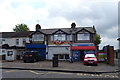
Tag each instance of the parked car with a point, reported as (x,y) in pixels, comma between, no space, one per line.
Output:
(31,56)
(90,59)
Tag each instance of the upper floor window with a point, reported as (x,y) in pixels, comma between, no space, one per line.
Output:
(0,41)
(24,41)
(84,36)
(38,37)
(52,38)
(3,41)
(61,37)
(69,37)
(17,41)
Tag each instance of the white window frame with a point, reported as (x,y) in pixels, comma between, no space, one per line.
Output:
(51,38)
(69,37)
(61,37)
(24,41)
(38,37)
(83,36)
(17,41)
(3,41)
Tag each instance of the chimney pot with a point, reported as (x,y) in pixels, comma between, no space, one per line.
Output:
(73,25)
(38,27)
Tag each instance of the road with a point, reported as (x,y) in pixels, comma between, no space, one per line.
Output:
(48,74)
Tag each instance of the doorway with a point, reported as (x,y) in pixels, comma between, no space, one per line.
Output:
(81,55)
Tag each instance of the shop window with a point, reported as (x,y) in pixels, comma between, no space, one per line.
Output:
(9,53)
(84,36)
(66,56)
(89,52)
(62,56)
(56,55)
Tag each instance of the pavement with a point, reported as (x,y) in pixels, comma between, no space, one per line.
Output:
(64,66)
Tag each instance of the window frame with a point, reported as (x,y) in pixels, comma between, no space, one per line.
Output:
(37,37)
(69,37)
(17,41)
(64,56)
(24,41)
(61,37)
(81,37)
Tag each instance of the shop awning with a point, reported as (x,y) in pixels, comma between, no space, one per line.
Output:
(83,48)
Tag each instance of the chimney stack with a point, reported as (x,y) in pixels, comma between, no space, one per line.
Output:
(73,25)
(38,27)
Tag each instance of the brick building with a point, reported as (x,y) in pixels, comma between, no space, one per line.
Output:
(62,42)
(65,42)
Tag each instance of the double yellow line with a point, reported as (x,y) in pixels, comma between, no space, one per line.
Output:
(109,76)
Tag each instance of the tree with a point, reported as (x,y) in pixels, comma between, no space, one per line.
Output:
(98,39)
(21,27)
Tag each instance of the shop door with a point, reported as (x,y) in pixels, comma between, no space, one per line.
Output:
(76,55)
(81,55)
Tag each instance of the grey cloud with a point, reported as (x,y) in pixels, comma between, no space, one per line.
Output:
(104,15)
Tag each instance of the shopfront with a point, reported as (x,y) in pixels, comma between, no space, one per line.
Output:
(62,51)
(78,52)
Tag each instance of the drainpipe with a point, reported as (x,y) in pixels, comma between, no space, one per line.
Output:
(73,28)
(71,45)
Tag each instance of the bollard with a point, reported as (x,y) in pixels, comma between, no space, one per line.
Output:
(55,61)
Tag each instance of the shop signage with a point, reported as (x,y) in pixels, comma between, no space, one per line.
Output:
(101,56)
(83,44)
(59,43)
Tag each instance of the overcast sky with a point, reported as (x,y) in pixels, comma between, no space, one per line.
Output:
(103,14)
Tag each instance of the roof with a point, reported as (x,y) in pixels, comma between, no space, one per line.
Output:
(118,39)
(67,30)
(45,31)
(15,34)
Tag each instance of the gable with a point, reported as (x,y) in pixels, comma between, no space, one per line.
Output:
(83,30)
(37,32)
(59,31)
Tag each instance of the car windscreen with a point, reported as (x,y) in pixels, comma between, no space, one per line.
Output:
(89,55)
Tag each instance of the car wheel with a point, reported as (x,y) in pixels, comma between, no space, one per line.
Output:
(96,64)
(33,60)
(24,61)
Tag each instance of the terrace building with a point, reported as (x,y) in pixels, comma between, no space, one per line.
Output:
(65,42)
(62,42)
(13,42)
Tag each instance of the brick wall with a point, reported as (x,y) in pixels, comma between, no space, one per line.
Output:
(110,54)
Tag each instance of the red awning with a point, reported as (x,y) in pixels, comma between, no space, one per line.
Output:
(83,48)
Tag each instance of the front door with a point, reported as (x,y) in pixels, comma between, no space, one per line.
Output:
(10,56)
